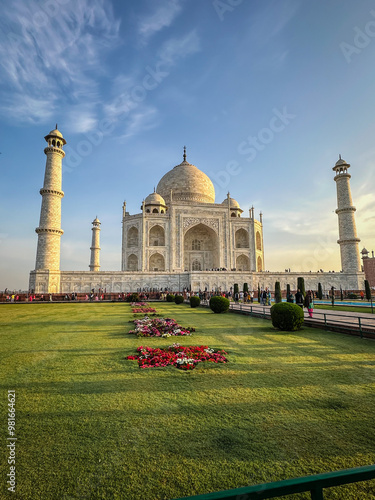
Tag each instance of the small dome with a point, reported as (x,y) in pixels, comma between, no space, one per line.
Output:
(56,132)
(96,220)
(232,201)
(154,199)
(364,251)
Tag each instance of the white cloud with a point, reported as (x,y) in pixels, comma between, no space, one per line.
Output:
(47,51)
(161,18)
(178,48)
(144,118)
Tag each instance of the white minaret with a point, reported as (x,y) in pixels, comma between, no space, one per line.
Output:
(348,239)
(49,230)
(95,245)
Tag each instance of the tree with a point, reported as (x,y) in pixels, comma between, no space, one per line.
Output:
(301,285)
(341,294)
(288,292)
(367,290)
(278,297)
(333,295)
(245,288)
(258,293)
(320,291)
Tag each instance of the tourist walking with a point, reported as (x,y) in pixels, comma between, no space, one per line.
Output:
(308,303)
(299,298)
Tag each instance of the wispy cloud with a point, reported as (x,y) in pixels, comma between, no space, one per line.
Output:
(161,18)
(179,48)
(131,91)
(46,54)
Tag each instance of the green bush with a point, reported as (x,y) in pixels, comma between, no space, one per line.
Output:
(367,290)
(170,297)
(301,285)
(245,287)
(194,301)
(133,297)
(179,299)
(320,291)
(259,293)
(286,316)
(352,296)
(278,297)
(219,304)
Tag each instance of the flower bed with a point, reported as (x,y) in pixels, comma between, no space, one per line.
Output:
(159,327)
(184,358)
(143,310)
(142,307)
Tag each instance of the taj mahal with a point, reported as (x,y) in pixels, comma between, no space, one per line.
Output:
(182,239)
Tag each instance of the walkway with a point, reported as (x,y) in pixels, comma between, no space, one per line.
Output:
(354,323)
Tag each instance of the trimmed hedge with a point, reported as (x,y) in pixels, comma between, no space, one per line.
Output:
(194,301)
(170,297)
(219,304)
(179,299)
(133,297)
(286,316)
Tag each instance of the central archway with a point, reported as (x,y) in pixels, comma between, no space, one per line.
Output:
(201,249)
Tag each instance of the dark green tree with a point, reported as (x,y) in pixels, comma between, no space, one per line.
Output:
(301,285)
(367,290)
(258,293)
(333,295)
(245,287)
(278,297)
(341,294)
(320,291)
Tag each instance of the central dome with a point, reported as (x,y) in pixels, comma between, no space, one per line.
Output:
(187,183)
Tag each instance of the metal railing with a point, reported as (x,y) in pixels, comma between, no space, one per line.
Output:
(352,323)
(313,484)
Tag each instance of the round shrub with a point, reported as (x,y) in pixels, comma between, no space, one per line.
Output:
(179,299)
(219,304)
(352,296)
(286,316)
(170,297)
(133,297)
(194,301)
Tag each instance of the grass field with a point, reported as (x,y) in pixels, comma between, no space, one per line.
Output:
(339,307)
(92,425)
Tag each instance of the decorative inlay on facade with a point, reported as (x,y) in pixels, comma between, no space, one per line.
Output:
(193,221)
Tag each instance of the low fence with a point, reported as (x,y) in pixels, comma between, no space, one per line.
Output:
(362,325)
(313,484)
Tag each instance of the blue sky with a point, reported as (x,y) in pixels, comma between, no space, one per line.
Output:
(130,83)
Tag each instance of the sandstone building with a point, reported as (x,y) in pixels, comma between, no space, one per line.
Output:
(181,238)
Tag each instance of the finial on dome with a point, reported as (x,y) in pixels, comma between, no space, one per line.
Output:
(154,190)
(339,157)
(184,153)
(56,126)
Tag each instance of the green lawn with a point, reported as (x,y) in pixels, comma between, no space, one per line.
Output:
(92,425)
(339,307)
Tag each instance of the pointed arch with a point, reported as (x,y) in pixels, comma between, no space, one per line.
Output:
(243,263)
(258,241)
(132,239)
(157,236)
(156,262)
(132,262)
(259,264)
(242,238)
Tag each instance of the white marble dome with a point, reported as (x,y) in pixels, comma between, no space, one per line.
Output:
(188,184)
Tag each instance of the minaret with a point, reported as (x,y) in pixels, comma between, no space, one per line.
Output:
(49,230)
(95,245)
(348,239)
